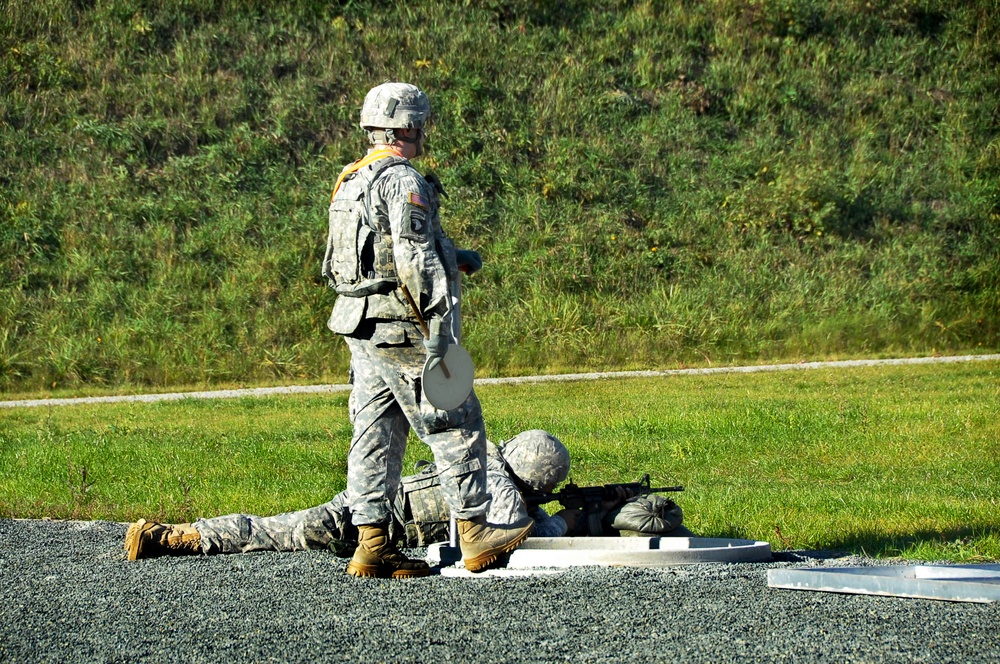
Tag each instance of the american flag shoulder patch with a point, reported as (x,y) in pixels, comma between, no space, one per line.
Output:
(419,201)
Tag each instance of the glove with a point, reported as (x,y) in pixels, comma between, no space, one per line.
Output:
(435,182)
(469,259)
(437,347)
(650,515)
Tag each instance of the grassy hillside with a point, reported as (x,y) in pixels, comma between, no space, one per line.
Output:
(650,183)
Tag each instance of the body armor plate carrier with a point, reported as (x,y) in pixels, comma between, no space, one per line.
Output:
(358,259)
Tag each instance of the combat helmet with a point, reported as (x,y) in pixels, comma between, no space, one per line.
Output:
(537,458)
(395,106)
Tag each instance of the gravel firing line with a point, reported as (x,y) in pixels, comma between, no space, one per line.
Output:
(515,380)
(67,594)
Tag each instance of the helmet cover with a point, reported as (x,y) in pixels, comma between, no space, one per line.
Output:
(395,106)
(537,457)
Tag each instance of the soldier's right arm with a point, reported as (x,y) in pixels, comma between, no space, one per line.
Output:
(508,506)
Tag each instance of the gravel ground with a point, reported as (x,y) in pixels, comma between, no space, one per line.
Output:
(67,594)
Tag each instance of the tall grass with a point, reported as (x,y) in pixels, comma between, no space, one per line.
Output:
(650,183)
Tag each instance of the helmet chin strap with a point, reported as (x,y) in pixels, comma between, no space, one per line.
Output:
(416,141)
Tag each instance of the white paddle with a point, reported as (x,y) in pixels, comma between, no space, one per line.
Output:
(448,384)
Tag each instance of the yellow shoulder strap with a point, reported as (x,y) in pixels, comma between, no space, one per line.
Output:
(359,164)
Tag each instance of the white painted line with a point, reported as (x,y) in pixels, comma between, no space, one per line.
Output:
(178,396)
(323,389)
(747,369)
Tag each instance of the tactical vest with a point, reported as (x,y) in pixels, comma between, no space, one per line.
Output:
(359,260)
(426,514)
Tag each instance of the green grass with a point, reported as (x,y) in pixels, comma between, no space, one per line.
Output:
(892,461)
(650,183)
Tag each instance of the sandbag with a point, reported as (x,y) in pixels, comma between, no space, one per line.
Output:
(649,515)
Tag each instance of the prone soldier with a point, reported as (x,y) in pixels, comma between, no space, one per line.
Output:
(531,462)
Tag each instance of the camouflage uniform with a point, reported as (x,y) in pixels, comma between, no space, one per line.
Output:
(508,504)
(420,517)
(320,527)
(385,231)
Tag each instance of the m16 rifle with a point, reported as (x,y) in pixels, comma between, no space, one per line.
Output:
(590,499)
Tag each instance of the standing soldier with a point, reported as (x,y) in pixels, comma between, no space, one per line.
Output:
(385,235)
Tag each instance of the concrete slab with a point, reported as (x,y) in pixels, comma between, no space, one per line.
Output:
(954,583)
(501,573)
(557,552)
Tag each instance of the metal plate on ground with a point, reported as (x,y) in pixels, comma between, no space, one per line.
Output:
(547,552)
(954,583)
(449,391)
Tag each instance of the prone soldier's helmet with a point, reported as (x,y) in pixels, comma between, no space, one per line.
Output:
(395,106)
(537,457)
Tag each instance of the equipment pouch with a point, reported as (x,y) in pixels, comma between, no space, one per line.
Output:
(341,265)
(427,514)
(367,287)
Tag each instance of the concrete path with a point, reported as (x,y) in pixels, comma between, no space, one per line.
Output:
(314,389)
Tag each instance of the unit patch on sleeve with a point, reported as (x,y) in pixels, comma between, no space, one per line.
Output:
(419,201)
(417,221)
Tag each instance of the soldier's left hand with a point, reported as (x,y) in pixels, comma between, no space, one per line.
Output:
(437,347)
(469,259)
(621,495)
(573,518)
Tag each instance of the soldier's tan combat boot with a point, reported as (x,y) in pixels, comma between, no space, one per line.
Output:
(376,556)
(146,539)
(483,543)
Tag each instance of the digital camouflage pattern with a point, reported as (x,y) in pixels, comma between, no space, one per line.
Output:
(359,260)
(419,518)
(393,207)
(395,106)
(401,225)
(385,402)
(508,505)
(426,514)
(326,526)
(538,458)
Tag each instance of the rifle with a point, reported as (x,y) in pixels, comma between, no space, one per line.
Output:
(589,498)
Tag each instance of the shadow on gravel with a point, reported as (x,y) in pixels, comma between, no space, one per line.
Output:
(877,545)
(956,541)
